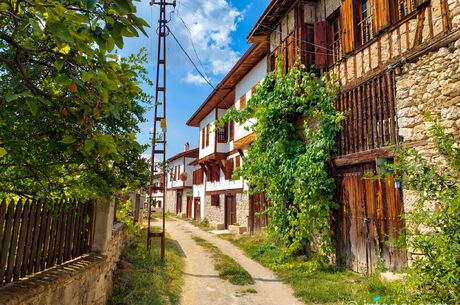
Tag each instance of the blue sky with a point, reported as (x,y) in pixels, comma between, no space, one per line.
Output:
(218,29)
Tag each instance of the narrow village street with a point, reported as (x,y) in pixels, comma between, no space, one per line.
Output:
(202,285)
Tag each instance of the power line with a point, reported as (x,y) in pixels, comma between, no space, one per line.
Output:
(193,44)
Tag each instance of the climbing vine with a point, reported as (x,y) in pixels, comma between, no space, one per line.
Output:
(296,125)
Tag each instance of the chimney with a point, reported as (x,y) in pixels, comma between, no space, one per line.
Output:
(186,146)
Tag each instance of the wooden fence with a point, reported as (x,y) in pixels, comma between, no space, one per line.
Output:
(35,238)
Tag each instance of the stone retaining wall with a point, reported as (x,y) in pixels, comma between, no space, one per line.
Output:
(83,281)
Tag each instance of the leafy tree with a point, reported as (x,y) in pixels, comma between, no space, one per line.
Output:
(70,106)
(433,224)
(289,161)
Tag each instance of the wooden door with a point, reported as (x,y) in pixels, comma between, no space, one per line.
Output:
(230,210)
(179,202)
(257,205)
(197,207)
(189,207)
(369,216)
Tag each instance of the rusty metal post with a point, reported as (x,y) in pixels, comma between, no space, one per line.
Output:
(159,122)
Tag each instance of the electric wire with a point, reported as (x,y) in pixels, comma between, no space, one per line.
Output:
(195,65)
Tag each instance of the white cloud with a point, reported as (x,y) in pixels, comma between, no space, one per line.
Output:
(194,79)
(211,24)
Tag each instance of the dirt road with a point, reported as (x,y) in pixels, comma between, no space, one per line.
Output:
(202,283)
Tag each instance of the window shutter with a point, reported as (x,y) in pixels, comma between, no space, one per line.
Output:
(242,101)
(207,135)
(320,44)
(237,161)
(228,169)
(381,14)
(203,137)
(348,34)
(291,58)
(215,200)
(232,130)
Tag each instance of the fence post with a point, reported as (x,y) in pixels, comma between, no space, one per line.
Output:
(104,211)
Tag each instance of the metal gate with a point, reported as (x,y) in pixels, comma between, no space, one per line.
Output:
(368,218)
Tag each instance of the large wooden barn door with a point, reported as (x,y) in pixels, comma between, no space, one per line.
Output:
(257,204)
(369,216)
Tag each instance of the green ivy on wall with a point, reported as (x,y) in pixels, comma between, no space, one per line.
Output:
(289,160)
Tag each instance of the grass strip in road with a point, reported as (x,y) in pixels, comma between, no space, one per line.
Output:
(142,278)
(227,267)
(313,281)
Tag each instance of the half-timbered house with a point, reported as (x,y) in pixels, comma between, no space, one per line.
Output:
(395,60)
(219,198)
(179,182)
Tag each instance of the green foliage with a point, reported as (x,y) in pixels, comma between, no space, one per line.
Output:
(313,280)
(290,169)
(70,106)
(143,279)
(433,224)
(125,214)
(227,267)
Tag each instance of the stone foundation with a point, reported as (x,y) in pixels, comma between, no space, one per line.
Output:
(171,201)
(86,280)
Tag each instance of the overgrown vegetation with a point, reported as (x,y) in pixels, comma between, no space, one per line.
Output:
(226,266)
(142,278)
(291,171)
(433,224)
(70,106)
(314,280)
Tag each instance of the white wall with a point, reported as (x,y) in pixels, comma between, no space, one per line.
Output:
(244,87)
(209,119)
(176,182)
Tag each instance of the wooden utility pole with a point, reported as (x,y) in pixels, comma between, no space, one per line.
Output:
(159,124)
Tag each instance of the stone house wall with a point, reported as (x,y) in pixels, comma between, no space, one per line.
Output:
(171,201)
(215,215)
(86,280)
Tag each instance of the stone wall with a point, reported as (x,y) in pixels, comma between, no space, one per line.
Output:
(215,215)
(429,85)
(171,201)
(86,280)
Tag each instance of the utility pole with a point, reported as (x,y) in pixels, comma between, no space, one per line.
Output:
(159,123)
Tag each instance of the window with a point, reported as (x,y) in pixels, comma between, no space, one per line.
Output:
(287,49)
(403,8)
(198,177)
(228,169)
(207,135)
(222,134)
(365,21)
(232,130)
(214,173)
(215,200)
(203,137)
(335,39)
(243,101)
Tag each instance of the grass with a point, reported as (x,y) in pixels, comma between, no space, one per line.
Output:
(203,225)
(142,278)
(314,281)
(227,267)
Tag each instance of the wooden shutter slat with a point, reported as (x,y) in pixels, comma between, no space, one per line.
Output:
(320,44)
(381,15)
(348,34)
